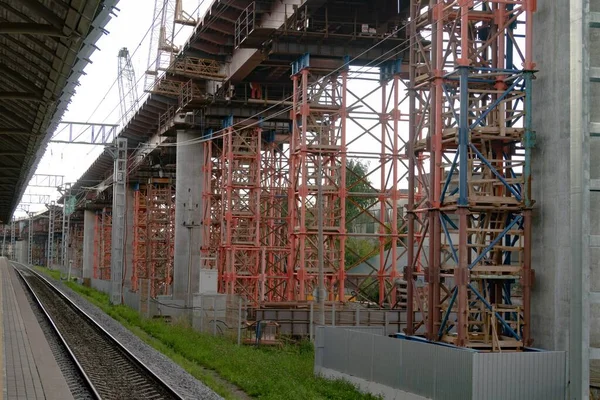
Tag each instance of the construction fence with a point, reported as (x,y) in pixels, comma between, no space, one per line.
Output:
(409,368)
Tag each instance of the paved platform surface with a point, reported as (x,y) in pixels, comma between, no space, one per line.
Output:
(29,368)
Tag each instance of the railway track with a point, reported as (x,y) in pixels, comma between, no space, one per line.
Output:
(108,368)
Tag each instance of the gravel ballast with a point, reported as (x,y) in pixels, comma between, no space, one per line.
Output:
(161,365)
(76,384)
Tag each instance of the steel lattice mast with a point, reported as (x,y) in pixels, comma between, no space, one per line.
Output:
(470,144)
(167,15)
(128,95)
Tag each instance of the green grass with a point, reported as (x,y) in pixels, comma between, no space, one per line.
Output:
(264,373)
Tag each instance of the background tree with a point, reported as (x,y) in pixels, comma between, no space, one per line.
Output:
(361,194)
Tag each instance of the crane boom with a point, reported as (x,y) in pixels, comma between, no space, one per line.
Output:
(128,94)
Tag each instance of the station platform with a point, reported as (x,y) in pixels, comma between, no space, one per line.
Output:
(29,369)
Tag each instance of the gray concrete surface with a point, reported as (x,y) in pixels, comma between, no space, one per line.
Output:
(550,247)
(21,251)
(89,222)
(566,173)
(129,234)
(188,214)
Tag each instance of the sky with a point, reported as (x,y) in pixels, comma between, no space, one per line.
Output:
(97,97)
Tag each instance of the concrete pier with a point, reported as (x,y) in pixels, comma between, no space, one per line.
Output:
(188,215)
(89,223)
(566,161)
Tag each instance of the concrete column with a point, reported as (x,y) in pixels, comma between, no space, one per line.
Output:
(129,237)
(188,214)
(22,247)
(89,222)
(566,230)
(551,177)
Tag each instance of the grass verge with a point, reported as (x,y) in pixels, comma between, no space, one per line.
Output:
(260,372)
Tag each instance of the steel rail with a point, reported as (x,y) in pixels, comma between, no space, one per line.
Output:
(96,326)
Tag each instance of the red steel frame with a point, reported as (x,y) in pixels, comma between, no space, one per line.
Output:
(161,232)
(102,245)
(469,147)
(76,245)
(212,176)
(318,137)
(153,240)
(274,280)
(375,120)
(140,233)
(241,250)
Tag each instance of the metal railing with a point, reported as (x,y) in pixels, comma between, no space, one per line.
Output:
(245,24)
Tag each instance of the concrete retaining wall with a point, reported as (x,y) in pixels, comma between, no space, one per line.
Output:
(101,285)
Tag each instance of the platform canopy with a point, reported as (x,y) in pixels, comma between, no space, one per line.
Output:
(44,47)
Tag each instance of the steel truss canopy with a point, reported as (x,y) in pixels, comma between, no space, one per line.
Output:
(44,48)
(84,133)
(44,180)
(29,198)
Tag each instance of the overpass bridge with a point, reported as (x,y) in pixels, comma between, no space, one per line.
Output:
(281,125)
(234,73)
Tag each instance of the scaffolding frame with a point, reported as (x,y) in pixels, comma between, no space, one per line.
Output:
(240,219)
(160,219)
(154,235)
(102,244)
(317,158)
(76,245)
(140,233)
(470,151)
(51,221)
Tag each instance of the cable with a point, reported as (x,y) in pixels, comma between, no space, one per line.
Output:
(222,132)
(132,55)
(212,18)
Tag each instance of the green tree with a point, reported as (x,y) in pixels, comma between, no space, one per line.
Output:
(361,194)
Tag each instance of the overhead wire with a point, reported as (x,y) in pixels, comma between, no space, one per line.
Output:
(211,18)
(222,132)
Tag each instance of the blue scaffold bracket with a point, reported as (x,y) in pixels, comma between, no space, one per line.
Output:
(346,65)
(208,133)
(135,186)
(301,63)
(227,121)
(261,121)
(529,139)
(269,136)
(389,69)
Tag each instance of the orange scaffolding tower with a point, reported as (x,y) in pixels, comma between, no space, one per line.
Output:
(212,176)
(153,235)
(76,245)
(470,148)
(274,221)
(241,250)
(160,221)
(140,233)
(317,158)
(102,244)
